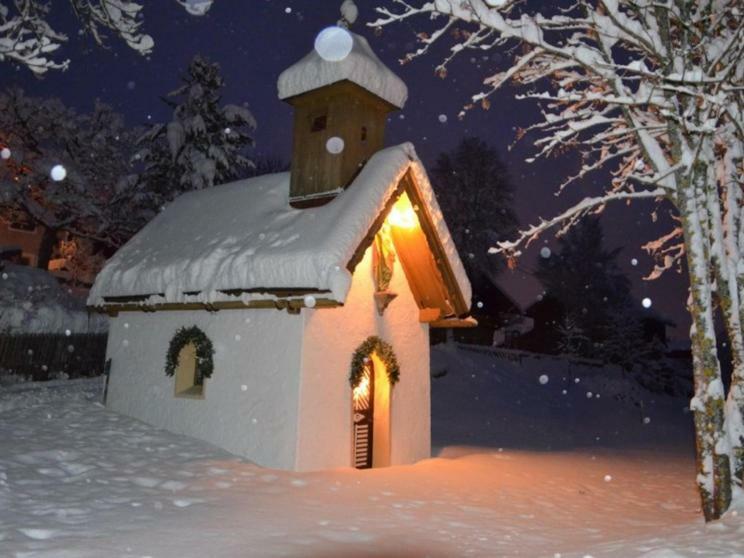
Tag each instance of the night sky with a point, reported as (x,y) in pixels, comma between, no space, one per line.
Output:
(254,40)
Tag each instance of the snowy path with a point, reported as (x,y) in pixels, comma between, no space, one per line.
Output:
(77,481)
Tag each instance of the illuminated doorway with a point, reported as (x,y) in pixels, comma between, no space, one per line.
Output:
(371,415)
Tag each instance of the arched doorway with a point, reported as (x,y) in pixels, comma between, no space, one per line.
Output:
(374,371)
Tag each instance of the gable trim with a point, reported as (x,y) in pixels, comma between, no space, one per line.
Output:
(407,184)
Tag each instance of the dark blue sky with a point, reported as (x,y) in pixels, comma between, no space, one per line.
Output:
(254,40)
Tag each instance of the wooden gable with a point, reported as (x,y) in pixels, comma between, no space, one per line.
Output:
(422,257)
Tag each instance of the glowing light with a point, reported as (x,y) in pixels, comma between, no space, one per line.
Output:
(334,44)
(402,214)
(361,391)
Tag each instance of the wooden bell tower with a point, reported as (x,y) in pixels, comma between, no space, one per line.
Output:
(337,128)
(341,101)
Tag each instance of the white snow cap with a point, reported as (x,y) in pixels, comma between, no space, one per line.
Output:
(245,236)
(360,66)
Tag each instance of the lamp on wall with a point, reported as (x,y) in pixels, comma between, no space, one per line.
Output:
(402,214)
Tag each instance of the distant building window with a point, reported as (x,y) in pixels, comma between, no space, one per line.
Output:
(22,226)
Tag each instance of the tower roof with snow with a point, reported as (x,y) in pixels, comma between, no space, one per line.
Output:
(340,55)
(241,243)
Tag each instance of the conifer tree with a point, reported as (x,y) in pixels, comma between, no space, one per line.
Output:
(205,143)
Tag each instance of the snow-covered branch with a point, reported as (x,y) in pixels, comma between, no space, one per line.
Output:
(27,38)
(567,218)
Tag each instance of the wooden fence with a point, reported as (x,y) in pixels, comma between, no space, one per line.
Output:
(46,356)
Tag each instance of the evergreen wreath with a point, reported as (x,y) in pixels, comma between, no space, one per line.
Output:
(384,350)
(204,351)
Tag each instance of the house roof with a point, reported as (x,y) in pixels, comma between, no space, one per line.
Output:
(360,66)
(244,240)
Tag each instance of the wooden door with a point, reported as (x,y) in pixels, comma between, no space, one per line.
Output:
(363,417)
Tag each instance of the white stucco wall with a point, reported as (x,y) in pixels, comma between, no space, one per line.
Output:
(258,348)
(331,336)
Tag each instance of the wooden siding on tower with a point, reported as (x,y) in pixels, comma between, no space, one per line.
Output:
(342,110)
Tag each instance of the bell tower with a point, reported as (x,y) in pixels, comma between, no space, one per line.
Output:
(341,94)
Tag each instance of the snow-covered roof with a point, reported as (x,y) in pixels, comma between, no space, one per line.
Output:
(244,236)
(360,66)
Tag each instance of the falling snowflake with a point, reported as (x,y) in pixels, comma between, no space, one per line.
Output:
(197,7)
(443,118)
(333,44)
(58,173)
(335,145)
(544,379)
(646,420)
(646,302)
(634,262)
(589,395)
(68,332)
(310,301)
(608,478)
(545,252)
(5,153)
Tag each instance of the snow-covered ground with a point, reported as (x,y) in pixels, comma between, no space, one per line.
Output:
(77,481)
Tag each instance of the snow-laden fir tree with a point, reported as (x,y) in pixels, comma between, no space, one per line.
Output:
(584,278)
(97,199)
(651,90)
(205,144)
(475,194)
(28,39)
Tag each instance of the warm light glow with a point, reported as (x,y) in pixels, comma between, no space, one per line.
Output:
(402,214)
(361,391)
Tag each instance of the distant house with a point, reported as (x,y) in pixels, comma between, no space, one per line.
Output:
(499,317)
(286,317)
(546,314)
(29,238)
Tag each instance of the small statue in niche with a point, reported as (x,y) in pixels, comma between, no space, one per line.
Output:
(383,260)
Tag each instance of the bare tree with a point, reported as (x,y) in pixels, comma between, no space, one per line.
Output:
(653,91)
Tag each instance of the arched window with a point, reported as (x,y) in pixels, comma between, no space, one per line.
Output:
(189,360)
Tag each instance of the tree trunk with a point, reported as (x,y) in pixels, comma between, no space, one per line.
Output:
(713,463)
(724,257)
